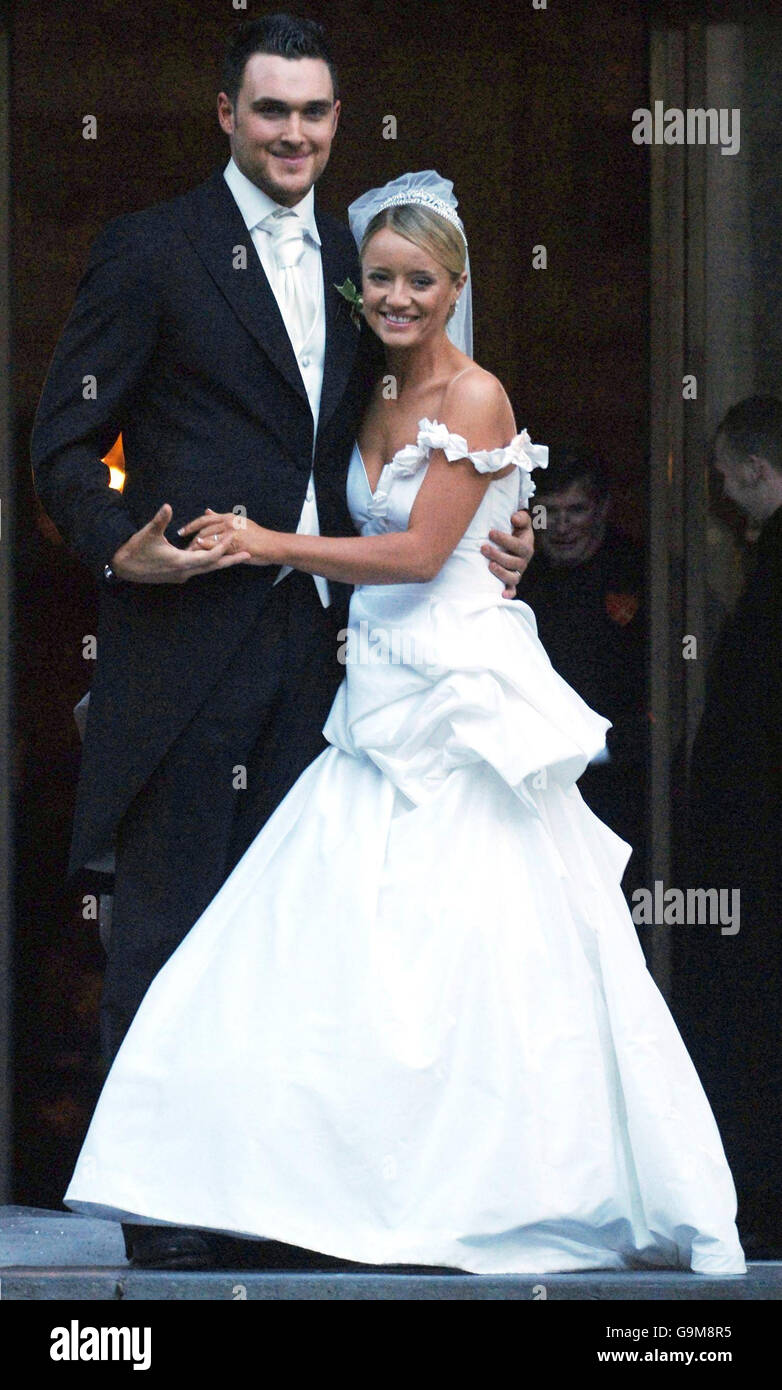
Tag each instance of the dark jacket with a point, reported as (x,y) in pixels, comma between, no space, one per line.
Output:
(735,789)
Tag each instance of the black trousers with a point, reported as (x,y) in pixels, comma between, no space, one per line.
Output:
(216,786)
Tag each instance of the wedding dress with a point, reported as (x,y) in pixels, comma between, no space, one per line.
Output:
(415,1025)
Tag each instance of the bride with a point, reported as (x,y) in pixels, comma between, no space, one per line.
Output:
(415,1025)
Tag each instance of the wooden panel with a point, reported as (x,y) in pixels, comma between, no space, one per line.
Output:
(667,83)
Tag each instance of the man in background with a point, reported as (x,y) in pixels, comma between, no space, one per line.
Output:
(728,987)
(585,587)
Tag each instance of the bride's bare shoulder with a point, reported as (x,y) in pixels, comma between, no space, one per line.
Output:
(477,400)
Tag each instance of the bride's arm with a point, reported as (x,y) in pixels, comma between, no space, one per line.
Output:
(446,504)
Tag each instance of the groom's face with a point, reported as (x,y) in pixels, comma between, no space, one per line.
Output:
(282,126)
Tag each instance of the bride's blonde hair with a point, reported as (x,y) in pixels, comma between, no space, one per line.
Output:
(426,229)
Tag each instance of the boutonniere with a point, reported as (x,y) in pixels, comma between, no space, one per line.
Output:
(356,301)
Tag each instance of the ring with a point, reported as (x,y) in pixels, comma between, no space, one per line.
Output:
(216,536)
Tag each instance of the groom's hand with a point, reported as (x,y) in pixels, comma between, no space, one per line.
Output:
(510,554)
(148,558)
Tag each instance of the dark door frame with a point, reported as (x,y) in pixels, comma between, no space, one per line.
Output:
(6,517)
(701,318)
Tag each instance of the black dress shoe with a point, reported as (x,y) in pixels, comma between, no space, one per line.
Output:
(272,1255)
(170,1247)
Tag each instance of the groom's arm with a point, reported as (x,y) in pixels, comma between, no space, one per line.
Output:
(510,552)
(103,353)
(99,367)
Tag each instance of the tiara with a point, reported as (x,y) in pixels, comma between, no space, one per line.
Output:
(427,200)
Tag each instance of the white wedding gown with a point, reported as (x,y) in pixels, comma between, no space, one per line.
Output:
(415,1025)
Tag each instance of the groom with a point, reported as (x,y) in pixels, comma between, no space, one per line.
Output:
(209,332)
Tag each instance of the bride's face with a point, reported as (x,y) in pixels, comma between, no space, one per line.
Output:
(407,294)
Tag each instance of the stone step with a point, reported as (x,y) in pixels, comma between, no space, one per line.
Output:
(60,1255)
(37,1284)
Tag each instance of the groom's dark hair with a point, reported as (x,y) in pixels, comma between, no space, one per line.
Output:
(282,34)
(573,463)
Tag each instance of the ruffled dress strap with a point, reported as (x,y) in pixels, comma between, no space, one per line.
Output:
(521,451)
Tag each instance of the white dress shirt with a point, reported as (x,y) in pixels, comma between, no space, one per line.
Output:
(256,207)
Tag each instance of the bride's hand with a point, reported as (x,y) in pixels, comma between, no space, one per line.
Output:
(258,545)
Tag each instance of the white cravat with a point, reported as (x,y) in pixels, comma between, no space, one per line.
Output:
(292,292)
(304,317)
(287,237)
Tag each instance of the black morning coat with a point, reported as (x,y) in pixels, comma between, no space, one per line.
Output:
(192,363)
